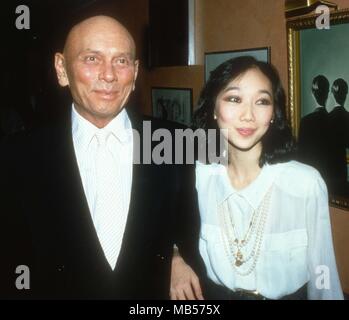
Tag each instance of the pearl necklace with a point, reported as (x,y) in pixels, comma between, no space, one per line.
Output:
(234,246)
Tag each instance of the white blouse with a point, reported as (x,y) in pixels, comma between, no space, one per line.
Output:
(296,242)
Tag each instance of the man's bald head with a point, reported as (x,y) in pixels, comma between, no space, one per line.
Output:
(98,64)
(98,25)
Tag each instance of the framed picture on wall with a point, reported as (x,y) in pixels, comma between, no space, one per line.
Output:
(214,59)
(318,67)
(174,104)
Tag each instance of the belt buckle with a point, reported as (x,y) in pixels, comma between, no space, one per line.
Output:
(250,293)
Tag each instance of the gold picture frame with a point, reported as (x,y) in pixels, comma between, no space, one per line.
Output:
(299,7)
(296,28)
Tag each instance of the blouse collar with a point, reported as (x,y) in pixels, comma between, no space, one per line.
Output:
(253,193)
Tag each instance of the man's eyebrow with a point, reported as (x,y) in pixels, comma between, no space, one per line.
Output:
(88,50)
(119,54)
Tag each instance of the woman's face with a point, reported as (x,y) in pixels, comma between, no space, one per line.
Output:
(245,108)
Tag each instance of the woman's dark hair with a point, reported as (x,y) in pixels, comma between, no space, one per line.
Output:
(278,142)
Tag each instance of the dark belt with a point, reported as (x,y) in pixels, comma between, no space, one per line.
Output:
(217,292)
(240,294)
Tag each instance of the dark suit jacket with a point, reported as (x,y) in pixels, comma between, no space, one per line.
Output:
(314,141)
(48,227)
(339,137)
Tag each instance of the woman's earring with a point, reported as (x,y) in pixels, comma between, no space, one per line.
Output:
(214,117)
(272,121)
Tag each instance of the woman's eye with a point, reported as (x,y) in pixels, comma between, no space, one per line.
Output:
(264,102)
(233,99)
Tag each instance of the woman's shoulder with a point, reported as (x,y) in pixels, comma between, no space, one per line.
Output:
(298,176)
(208,175)
(297,169)
(206,170)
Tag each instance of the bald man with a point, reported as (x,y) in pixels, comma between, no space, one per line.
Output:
(86,220)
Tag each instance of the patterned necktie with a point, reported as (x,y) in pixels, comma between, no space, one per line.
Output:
(109,203)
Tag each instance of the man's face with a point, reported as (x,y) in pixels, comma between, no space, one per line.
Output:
(99,67)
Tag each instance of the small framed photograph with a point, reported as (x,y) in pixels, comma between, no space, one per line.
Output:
(174,104)
(214,59)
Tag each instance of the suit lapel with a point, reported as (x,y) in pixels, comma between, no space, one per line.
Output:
(134,229)
(71,209)
(72,216)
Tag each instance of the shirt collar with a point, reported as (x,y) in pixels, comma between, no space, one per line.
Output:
(253,193)
(84,131)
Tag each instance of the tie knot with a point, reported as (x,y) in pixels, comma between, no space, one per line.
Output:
(102,136)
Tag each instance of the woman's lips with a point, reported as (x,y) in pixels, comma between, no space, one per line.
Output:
(246,132)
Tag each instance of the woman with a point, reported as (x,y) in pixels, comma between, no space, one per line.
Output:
(265,226)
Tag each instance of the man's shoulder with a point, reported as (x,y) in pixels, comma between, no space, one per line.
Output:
(23,145)
(166,124)
(315,116)
(16,141)
(141,120)
(338,112)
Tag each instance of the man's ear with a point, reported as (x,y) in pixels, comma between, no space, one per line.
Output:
(60,70)
(136,74)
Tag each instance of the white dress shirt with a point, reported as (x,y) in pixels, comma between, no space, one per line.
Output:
(119,143)
(296,247)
